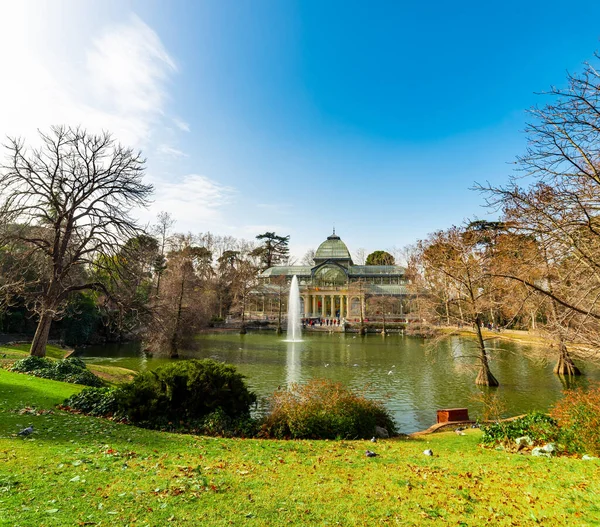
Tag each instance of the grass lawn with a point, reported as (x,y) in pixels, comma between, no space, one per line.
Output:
(77,470)
(18,351)
(110,374)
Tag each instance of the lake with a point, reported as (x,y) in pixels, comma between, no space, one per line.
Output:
(412,379)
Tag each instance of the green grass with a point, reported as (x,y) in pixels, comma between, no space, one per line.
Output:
(111,374)
(54,352)
(77,470)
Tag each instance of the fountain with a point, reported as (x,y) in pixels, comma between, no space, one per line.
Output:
(294,328)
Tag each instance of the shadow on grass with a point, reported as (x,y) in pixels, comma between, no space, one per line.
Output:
(19,389)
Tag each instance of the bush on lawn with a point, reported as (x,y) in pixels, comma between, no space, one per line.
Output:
(31,363)
(100,402)
(184,392)
(323,409)
(219,424)
(72,370)
(540,427)
(578,414)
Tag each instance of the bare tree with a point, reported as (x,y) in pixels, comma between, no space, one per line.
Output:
(382,305)
(282,289)
(455,269)
(360,288)
(360,256)
(308,258)
(68,202)
(185,302)
(162,229)
(245,280)
(560,207)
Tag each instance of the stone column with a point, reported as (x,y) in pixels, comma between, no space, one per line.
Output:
(306,308)
(332,306)
(314,305)
(342,307)
(322,314)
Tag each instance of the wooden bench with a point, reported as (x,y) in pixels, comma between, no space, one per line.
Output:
(452,414)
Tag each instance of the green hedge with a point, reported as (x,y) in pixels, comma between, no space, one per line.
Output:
(71,370)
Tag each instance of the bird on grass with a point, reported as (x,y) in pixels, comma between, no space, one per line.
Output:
(26,431)
(373,439)
(369,453)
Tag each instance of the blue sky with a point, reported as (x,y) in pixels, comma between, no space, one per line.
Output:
(295,116)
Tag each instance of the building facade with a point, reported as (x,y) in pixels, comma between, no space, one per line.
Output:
(334,287)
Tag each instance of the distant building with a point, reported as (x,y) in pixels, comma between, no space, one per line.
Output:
(334,287)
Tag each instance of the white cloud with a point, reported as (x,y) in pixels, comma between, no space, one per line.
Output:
(113,81)
(169,151)
(127,67)
(194,202)
(182,125)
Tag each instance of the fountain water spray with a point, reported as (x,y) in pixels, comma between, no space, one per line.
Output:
(294,327)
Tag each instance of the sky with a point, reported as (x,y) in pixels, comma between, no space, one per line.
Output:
(298,116)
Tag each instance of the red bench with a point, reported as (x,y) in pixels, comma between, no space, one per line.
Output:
(452,414)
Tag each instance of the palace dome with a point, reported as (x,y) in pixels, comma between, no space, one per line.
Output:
(332,248)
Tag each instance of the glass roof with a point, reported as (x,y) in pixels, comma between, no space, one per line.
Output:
(290,270)
(369,270)
(332,248)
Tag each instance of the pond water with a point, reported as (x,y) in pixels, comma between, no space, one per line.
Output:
(413,380)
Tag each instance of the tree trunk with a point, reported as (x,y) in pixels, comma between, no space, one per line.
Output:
(158,284)
(40,339)
(243,327)
(485,376)
(279,329)
(174,351)
(565,365)
(363,329)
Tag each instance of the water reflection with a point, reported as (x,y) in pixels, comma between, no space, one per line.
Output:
(293,362)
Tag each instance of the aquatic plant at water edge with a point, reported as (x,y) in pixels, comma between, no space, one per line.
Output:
(540,427)
(578,414)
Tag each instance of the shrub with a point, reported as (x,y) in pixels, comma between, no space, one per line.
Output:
(578,415)
(185,391)
(540,427)
(218,423)
(31,364)
(100,402)
(71,370)
(323,409)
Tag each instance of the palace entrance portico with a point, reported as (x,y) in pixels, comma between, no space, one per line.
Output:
(329,303)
